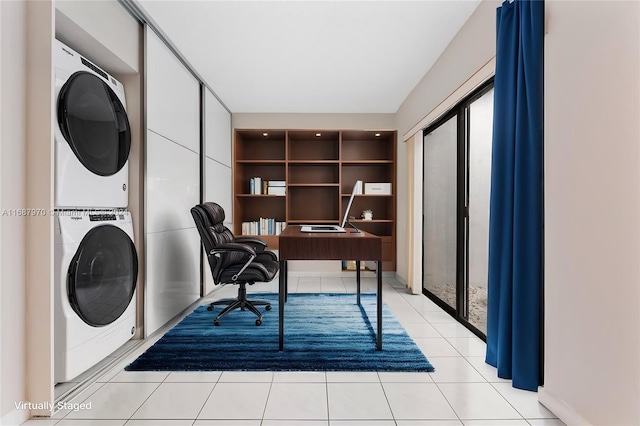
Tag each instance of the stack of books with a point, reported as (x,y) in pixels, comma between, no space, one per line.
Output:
(263,226)
(271,187)
(256,185)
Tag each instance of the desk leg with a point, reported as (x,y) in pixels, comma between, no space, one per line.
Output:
(282,293)
(358,280)
(379,293)
(286,281)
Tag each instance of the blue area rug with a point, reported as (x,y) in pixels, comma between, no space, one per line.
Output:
(323,332)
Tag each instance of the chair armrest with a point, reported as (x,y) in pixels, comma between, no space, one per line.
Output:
(233,247)
(256,243)
(234,254)
(266,255)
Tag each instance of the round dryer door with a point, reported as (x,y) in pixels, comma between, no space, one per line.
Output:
(102,275)
(94,122)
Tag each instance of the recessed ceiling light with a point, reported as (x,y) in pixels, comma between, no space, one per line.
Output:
(318,135)
(377,135)
(265,134)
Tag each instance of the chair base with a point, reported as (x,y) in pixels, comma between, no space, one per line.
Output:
(242,303)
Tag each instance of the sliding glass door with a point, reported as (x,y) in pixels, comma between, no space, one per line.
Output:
(480,118)
(457,176)
(439,211)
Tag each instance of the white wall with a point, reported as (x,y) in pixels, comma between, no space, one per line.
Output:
(592,212)
(172,185)
(103,31)
(12,196)
(472,48)
(314,121)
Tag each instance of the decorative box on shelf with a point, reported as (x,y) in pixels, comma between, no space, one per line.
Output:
(380,188)
(276,187)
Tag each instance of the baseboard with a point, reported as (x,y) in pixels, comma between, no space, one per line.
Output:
(15,418)
(561,409)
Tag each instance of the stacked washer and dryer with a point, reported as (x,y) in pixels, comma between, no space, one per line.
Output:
(95,258)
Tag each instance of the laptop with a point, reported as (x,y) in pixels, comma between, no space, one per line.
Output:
(322,228)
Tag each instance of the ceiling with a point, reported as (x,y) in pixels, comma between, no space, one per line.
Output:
(310,56)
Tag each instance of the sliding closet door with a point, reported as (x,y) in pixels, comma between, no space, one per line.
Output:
(217,167)
(172,174)
(439,211)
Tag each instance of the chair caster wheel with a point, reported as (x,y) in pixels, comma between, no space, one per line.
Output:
(258,322)
(268,307)
(216,322)
(209,308)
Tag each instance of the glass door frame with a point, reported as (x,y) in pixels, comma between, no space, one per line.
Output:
(462,110)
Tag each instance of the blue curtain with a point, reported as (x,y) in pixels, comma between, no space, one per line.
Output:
(515,223)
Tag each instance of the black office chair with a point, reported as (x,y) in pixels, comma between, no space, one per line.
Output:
(233,260)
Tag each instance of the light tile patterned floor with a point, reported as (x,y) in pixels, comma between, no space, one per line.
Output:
(463,390)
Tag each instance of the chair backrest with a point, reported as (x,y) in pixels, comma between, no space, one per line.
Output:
(209,218)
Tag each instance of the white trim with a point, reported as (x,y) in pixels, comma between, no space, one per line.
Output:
(416,215)
(487,71)
(560,408)
(15,417)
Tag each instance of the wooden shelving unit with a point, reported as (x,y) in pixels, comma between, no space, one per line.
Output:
(319,169)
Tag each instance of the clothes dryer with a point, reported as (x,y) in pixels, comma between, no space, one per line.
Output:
(95,271)
(92,135)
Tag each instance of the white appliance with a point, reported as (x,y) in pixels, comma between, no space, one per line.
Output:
(95,271)
(92,135)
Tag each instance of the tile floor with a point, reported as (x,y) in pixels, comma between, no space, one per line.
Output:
(462,391)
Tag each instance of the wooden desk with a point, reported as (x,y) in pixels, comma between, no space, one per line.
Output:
(296,245)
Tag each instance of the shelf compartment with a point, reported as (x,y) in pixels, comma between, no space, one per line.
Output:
(305,145)
(314,173)
(359,145)
(365,173)
(382,206)
(310,203)
(267,171)
(252,208)
(252,145)
(357,162)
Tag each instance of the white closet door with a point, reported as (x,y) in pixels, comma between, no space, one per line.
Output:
(218,130)
(217,165)
(218,187)
(172,185)
(173,96)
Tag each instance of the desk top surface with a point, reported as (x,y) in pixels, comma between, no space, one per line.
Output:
(297,245)
(295,231)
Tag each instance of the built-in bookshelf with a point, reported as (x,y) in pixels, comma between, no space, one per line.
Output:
(304,176)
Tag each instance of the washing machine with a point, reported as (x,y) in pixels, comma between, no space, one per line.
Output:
(92,135)
(95,269)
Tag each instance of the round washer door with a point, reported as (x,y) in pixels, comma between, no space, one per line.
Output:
(102,275)
(94,122)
